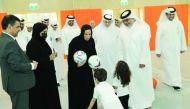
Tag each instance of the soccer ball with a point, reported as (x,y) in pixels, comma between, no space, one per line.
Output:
(94,61)
(80,57)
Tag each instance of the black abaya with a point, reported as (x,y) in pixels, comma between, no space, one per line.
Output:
(44,95)
(80,79)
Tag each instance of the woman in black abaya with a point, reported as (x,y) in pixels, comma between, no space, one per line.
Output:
(80,78)
(44,95)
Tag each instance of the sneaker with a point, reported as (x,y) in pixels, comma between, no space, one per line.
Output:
(176,87)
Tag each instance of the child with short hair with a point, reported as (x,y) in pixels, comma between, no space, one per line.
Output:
(121,81)
(104,92)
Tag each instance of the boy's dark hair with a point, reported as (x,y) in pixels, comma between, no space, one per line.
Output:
(123,73)
(9,19)
(100,74)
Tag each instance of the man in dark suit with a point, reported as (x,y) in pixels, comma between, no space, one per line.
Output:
(16,68)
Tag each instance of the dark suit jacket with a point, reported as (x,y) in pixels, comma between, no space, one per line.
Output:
(15,66)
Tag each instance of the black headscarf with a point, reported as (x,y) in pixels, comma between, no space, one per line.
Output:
(83,29)
(37,29)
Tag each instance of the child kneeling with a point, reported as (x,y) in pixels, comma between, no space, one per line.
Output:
(104,92)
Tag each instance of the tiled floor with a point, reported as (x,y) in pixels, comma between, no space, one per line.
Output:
(166,97)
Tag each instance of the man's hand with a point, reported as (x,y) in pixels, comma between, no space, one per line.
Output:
(65,56)
(53,56)
(158,55)
(141,66)
(35,63)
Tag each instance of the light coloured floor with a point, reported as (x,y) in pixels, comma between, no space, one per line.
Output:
(166,97)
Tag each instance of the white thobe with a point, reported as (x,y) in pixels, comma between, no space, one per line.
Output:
(28,36)
(21,39)
(107,47)
(59,49)
(68,34)
(135,43)
(49,38)
(170,40)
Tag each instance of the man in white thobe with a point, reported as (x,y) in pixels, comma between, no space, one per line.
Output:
(29,27)
(45,20)
(118,23)
(170,42)
(107,45)
(70,30)
(58,48)
(21,38)
(135,37)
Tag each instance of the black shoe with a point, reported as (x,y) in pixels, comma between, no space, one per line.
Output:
(176,88)
(58,84)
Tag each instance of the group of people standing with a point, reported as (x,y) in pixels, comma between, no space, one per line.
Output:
(130,43)
(29,77)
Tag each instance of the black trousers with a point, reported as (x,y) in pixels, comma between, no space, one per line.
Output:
(124,101)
